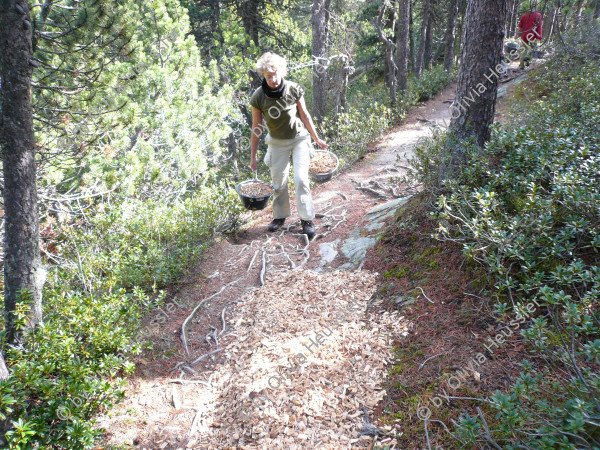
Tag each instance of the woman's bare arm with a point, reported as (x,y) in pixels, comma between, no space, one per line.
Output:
(257,131)
(308,123)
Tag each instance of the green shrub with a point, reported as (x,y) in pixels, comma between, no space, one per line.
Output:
(424,171)
(67,370)
(148,243)
(527,207)
(350,132)
(431,82)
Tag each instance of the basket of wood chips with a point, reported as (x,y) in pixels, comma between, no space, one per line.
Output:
(254,193)
(322,166)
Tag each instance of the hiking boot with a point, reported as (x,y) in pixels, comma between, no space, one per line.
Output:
(308,228)
(275,224)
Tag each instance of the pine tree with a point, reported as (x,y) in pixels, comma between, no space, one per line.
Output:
(475,102)
(22,272)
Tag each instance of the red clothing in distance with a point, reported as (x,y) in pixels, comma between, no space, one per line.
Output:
(531,26)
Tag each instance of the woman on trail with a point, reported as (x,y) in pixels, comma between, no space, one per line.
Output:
(281,103)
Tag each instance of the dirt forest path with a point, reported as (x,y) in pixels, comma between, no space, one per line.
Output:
(282,348)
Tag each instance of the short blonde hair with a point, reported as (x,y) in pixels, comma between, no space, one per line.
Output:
(270,62)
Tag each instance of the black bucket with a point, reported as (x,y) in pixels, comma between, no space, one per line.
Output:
(510,47)
(253,203)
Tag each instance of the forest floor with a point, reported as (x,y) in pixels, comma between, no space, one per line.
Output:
(297,344)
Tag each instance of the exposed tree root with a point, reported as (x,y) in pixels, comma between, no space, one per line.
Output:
(252,262)
(264,268)
(193,313)
(207,355)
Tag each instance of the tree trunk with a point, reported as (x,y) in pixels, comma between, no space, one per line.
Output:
(390,66)
(460,27)
(548,24)
(343,102)
(249,14)
(423,38)
(577,9)
(22,271)
(402,43)
(217,31)
(411,28)
(509,13)
(428,43)
(232,143)
(389,73)
(475,103)
(450,35)
(320,35)
(597,10)
(511,19)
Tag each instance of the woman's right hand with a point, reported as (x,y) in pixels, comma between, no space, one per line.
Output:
(253,163)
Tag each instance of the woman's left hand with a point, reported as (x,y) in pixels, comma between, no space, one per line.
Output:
(321,143)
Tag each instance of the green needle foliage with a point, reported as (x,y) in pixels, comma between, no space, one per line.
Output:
(127,148)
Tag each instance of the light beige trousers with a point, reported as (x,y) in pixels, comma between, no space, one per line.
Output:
(278,160)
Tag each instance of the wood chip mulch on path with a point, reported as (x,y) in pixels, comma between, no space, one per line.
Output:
(302,368)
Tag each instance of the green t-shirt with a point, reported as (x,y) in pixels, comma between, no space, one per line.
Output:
(281,114)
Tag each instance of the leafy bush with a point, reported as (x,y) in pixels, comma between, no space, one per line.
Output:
(580,43)
(66,371)
(147,243)
(527,206)
(434,156)
(350,132)
(156,113)
(431,82)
